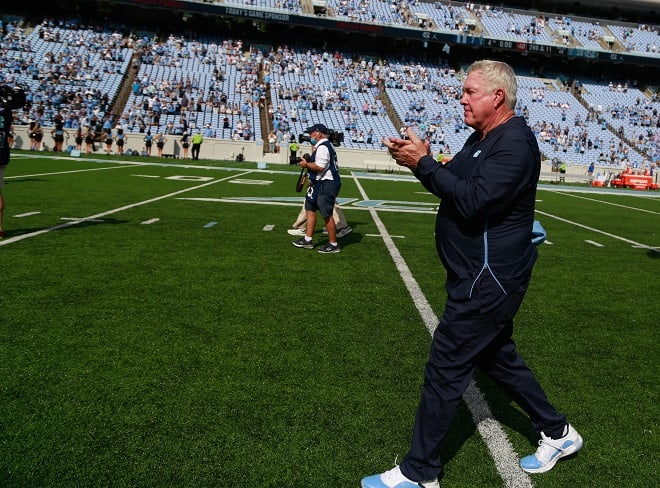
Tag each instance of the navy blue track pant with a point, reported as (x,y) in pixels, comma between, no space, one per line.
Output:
(473,333)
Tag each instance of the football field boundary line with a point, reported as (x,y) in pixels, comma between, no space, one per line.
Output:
(496,440)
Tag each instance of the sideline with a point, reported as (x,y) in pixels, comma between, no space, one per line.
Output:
(497,442)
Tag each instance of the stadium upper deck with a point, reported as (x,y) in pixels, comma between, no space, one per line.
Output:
(451,23)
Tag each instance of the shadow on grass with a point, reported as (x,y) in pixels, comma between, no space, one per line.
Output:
(63,226)
(346,241)
(462,429)
(504,409)
(12,180)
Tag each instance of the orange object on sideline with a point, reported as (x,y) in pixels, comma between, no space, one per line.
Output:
(636,182)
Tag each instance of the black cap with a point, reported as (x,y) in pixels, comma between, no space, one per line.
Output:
(318,127)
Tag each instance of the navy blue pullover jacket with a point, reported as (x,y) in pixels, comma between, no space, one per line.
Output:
(487,192)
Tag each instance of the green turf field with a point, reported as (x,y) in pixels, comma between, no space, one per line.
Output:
(158,329)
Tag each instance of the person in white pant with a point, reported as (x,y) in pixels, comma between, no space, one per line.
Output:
(299,226)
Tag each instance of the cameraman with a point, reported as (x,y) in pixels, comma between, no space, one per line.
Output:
(10,98)
(323,188)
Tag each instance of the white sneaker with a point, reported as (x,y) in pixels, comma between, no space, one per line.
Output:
(552,450)
(394,478)
(296,232)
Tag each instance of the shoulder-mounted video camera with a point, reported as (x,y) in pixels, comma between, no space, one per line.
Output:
(12,97)
(335,137)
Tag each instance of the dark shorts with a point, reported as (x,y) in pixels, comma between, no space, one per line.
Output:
(321,196)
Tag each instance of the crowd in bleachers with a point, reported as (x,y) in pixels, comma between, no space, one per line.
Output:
(182,86)
(515,27)
(68,70)
(310,85)
(223,87)
(293,6)
(493,21)
(643,39)
(481,19)
(372,11)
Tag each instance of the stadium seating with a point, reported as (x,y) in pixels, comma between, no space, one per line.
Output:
(221,84)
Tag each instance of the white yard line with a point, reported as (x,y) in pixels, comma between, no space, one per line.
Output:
(54,173)
(592,229)
(628,207)
(497,442)
(10,240)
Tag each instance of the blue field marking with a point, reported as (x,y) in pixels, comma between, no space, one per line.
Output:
(210,224)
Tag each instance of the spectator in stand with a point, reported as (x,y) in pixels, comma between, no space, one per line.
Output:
(209,133)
